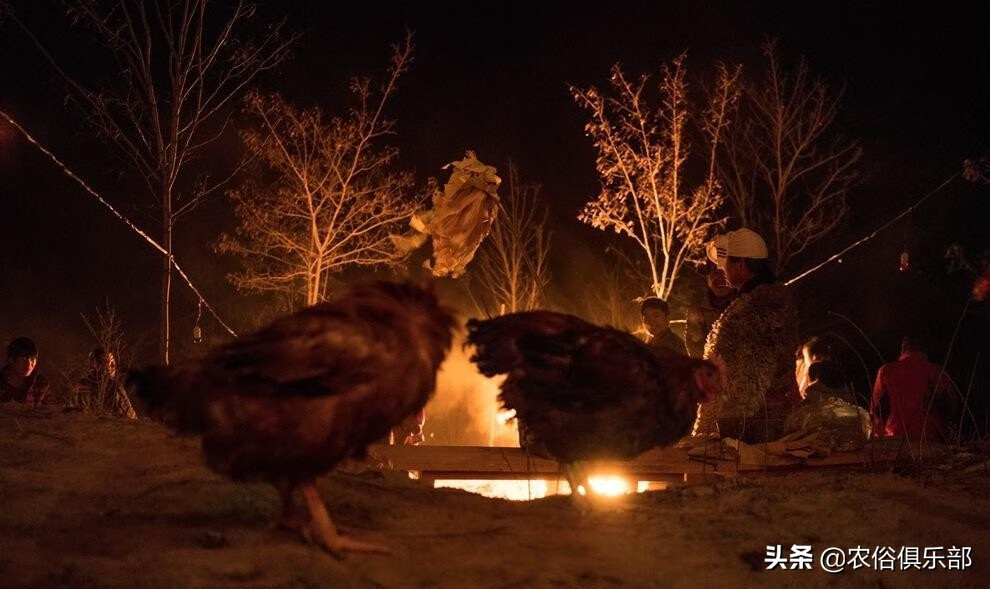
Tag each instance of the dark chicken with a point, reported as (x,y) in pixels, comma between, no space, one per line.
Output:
(586,392)
(287,403)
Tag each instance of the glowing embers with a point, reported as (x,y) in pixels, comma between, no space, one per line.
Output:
(526,489)
(612,486)
(513,490)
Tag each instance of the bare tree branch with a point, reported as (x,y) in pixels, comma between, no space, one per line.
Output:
(643,149)
(324,196)
(785,171)
(179,64)
(511,272)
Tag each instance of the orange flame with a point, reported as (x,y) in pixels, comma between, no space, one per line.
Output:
(527,489)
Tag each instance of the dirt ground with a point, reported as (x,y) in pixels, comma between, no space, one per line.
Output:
(92,502)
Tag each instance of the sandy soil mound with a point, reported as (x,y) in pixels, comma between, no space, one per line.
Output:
(101,502)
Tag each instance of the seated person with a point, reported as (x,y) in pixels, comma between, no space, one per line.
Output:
(827,406)
(817,372)
(913,397)
(19,381)
(101,389)
(656,320)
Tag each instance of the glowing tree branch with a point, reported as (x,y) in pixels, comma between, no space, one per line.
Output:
(323,196)
(511,271)
(643,150)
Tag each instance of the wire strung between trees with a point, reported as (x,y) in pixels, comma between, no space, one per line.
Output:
(209,307)
(126,221)
(872,235)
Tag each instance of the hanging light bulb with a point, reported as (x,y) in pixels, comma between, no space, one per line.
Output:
(905,261)
(197,331)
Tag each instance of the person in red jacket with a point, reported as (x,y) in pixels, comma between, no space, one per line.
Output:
(913,397)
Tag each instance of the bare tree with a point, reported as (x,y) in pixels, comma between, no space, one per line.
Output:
(177,66)
(324,197)
(613,300)
(643,151)
(785,171)
(511,272)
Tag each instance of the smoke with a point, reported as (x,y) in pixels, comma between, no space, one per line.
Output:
(464,411)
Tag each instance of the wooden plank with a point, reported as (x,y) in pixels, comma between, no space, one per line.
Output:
(480,462)
(515,461)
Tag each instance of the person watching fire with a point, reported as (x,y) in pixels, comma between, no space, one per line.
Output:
(913,397)
(655,314)
(752,343)
(19,379)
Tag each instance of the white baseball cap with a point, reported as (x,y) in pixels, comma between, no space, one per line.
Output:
(741,243)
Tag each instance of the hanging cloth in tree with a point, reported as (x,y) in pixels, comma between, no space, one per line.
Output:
(461,217)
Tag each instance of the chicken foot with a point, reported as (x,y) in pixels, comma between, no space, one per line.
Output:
(322,531)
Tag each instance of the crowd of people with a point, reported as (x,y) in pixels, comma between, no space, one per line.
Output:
(778,385)
(746,325)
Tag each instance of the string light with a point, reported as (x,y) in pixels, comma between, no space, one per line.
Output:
(905,264)
(197,330)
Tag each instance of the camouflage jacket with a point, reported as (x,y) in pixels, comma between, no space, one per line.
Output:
(756,337)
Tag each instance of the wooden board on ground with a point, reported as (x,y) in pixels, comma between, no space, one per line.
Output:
(659,464)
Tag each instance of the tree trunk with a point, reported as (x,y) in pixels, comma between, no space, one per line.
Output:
(166,292)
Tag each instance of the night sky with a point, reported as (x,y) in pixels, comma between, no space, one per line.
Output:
(492,77)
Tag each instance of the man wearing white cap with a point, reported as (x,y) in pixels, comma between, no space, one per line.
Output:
(742,256)
(753,342)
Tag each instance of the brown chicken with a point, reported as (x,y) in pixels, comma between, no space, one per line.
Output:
(287,403)
(585,392)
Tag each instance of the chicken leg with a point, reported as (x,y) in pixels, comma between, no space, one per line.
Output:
(576,476)
(289,518)
(323,532)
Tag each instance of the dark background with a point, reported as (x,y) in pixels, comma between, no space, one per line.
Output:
(492,77)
